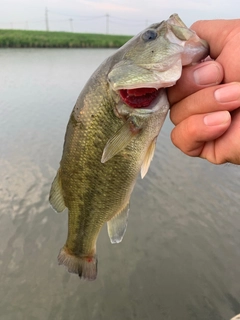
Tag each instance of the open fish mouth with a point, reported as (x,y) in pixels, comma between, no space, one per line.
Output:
(140,97)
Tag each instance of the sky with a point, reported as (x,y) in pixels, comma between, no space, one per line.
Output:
(108,16)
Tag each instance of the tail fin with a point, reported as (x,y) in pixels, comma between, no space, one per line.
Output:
(85,267)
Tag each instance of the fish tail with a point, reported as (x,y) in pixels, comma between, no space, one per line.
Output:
(84,266)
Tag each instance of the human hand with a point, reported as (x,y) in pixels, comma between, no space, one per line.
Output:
(206,113)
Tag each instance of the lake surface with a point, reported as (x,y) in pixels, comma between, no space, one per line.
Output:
(180,257)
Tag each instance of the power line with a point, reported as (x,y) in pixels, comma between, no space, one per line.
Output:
(46,19)
(130,23)
(107,23)
(107,19)
(77,16)
(71,24)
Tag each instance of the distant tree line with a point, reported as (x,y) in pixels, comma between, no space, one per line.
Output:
(44,39)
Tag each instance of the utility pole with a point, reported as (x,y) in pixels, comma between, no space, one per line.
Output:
(71,24)
(46,19)
(107,23)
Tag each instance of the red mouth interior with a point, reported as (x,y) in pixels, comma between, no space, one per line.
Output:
(138,98)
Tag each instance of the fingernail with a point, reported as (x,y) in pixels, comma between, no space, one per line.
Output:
(208,74)
(216,118)
(228,93)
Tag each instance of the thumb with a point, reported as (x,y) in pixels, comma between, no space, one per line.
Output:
(212,32)
(191,134)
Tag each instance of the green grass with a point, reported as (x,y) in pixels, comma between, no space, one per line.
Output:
(44,39)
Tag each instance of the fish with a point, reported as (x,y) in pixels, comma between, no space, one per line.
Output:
(111,136)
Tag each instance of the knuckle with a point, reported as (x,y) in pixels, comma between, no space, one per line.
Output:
(172,116)
(174,137)
(190,128)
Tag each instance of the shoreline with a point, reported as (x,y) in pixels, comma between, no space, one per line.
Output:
(58,39)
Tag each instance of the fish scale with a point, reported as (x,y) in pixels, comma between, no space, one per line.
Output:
(108,142)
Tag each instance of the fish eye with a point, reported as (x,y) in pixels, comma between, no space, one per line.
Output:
(149,35)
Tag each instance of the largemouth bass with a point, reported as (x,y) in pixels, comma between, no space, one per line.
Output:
(111,136)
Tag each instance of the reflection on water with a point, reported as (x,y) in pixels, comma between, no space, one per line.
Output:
(181,253)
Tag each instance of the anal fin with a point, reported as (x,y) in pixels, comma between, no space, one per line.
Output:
(117,225)
(56,197)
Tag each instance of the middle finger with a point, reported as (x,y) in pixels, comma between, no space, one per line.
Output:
(217,98)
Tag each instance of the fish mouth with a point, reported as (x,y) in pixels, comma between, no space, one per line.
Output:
(139,97)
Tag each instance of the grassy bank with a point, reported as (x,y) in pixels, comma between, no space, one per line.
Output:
(44,39)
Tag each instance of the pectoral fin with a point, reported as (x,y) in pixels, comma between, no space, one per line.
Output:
(148,158)
(120,140)
(56,196)
(118,225)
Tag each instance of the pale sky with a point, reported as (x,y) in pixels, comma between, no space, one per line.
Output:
(109,16)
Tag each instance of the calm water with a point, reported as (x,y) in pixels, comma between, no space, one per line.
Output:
(180,257)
